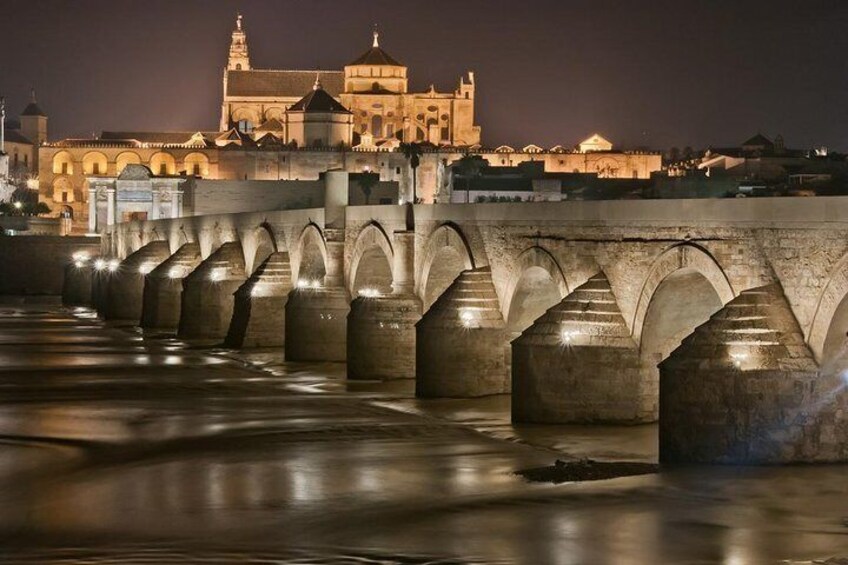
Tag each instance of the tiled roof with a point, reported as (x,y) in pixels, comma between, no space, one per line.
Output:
(281,83)
(15,136)
(318,101)
(168,137)
(376,56)
(33,109)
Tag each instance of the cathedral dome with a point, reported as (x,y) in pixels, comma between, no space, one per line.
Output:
(33,109)
(318,101)
(376,56)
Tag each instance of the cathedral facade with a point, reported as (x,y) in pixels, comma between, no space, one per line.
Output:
(297,124)
(374,88)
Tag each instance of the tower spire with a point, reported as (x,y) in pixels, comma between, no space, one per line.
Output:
(32,94)
(376,37)
(239,59)
(317,85)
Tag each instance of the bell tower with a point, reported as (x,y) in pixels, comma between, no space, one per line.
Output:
(239,59)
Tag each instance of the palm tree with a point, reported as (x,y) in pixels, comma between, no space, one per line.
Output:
(368,181)
(470,166)
(412,152)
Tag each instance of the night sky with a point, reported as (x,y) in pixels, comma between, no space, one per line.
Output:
(650,73)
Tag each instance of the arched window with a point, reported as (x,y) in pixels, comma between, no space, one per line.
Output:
(163,164)
(94,163)
(126,158)
(197,164)
(63,163)
(377,125)
(238,66)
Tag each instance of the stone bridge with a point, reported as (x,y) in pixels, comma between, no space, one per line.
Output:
(725,319)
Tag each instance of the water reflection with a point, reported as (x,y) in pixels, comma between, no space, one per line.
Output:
(118,442)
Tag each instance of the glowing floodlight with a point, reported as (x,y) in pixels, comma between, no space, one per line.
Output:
(79,264)
(216,275)
(80,256)
(567,336)
(114,264)
(738,359)
(174,273)
(369,292)
(467,317)
(145,268)
(99,264)
(18,205)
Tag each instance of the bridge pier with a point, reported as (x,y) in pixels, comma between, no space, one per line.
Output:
(163,289)
(459,342)
(76,286)
(316,318)
(744,388)
(381,337)
(207,297)
(381,330)
(260,306)
(126,283)
(316,324)
(578,364)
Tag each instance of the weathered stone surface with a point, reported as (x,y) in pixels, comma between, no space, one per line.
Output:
(207,299)
(163,289)
(99,290)
(260,306)
(76,287)
(126,284)
(578,363)
(744,389)
(460,341)
(381,337)
(316,324)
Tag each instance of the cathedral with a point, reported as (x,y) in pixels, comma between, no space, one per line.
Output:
(372,89)
(296,125)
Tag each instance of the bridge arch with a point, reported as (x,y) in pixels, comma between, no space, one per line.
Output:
(178,236)
(827,335)
(684,287)
(258,244)
(371,261)
(309,263)
(537,284)
(446,254)
(685,257)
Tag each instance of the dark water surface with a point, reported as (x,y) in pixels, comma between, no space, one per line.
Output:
(119,449)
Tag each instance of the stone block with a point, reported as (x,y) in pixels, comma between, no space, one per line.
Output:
(316,324)
(381,337)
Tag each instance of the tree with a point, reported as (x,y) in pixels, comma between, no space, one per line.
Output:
(470,166)
(412,152)
(367,181)
(674,155)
